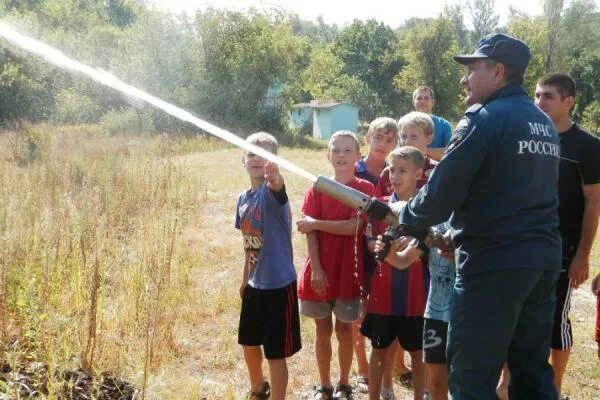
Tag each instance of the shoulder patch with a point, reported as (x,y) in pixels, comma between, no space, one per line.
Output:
(474,109)
(458,134)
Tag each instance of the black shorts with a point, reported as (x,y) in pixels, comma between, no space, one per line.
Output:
(270,318)
(384,329)
(562,333)
(435,337)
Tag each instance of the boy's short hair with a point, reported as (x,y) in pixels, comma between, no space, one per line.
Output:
(564,84)
(409,153)
(348,134)
(263,138)
(384,123)
(423,89)
(417,118)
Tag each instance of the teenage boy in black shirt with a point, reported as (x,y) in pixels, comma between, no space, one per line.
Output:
(579,205)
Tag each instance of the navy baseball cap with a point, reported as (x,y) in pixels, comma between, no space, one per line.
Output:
(502,48)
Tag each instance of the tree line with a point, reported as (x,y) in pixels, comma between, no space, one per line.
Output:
(244,70)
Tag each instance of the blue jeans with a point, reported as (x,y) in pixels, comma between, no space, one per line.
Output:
(500,316)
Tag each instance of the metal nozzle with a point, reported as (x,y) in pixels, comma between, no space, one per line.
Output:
(357,200)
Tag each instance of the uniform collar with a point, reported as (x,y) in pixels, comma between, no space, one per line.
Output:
(507,91)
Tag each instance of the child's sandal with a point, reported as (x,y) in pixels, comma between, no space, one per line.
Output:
(343,392)
(324,392)
(263,394)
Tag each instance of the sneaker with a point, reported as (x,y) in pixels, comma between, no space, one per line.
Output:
(264,393)
(564,397)
(387,394)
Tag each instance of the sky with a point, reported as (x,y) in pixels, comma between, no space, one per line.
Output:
(341,12)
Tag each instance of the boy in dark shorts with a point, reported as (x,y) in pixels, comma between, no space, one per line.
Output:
(381,139)
(269,315)
(332,279)
(398,295)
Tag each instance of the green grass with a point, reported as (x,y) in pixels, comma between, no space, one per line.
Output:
(119,252)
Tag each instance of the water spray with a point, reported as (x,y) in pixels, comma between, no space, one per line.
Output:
(351,197)
(56,57)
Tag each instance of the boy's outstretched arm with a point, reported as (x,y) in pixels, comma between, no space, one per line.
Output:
(318,279)
(345,227)
(273,177)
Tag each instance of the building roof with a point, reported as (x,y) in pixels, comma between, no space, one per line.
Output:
(320,104)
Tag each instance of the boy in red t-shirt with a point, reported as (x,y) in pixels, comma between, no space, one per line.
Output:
(332,279)
(398,295)
(381,139)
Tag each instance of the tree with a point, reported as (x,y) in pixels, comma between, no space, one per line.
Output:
(428,49)
(585,69)
(533,32)
(552,12)
(366,51)
(591,117)
(245,55)
(454,13)
(483,18)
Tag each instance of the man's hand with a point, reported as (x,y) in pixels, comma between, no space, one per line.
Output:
(306,224)
(318,281)
(579,270)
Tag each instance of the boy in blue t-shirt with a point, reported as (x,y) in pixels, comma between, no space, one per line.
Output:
(269,314)
(437,315)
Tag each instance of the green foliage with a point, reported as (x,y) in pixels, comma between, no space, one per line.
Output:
(428,48)
(74,108)
(586,72)
(244,58)
(532,31)
(366,52)
(129,120)
(591,117)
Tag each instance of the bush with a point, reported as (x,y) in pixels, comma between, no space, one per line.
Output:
(30,145)
(129,120)
(74,108)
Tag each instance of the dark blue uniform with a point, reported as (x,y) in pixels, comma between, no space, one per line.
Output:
(498,183)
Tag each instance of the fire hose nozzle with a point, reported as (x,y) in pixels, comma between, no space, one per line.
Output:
(357,200)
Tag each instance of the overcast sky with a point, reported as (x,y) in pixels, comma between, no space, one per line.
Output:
(393,13)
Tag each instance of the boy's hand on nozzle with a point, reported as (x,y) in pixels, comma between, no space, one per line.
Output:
(306,224)
(318,281)
(273,177)
(396,245)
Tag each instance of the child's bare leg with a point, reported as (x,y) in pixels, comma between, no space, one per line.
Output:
(323,349)
(418,373)
(502,388)
(254,357)
(437,381)
(388,372)
(359,349)
(401,367)
(377,365)
(279,378)
(343,332)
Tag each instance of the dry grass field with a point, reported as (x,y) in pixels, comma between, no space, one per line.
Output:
(119,254)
